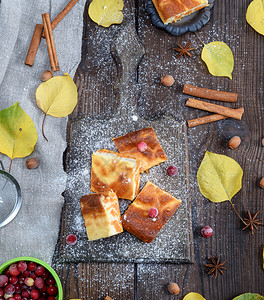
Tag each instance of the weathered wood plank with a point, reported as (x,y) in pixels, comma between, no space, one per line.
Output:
(243,252)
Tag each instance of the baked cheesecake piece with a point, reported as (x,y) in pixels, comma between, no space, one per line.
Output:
(173,10)
(101,215)
(152,156)
(150,211)
(119,172)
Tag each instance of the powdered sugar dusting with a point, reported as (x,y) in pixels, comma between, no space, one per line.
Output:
(173,242)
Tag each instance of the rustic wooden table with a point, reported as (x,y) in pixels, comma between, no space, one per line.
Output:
(95,79)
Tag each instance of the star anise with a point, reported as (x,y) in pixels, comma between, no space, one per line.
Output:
(216,266)
(184,51)
(251,222)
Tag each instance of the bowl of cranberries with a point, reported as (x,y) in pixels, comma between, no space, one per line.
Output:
(28,278)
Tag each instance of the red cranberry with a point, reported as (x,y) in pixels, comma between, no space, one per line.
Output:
(2,292)
(142,146)
(33,275)
(45,275)
(3,280)
(172,171)
(52,290)
(11,298)
(39,270)
(207,231)
(17,297)
(22,266)
(26,273)
(7,273)
(39,283)
(51,298)
(9,289)
(13,280)
(23,287)
(14,270)
(17,288)
(29,281)
(21,279)
(153,212)
(32,266)
(71,239)
(25,294)
(50,281)
(34,294)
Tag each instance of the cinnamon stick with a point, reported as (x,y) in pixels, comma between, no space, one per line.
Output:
(209,94)
(62,14)
(219,109)
(33,48)
(50,43)
(207,119)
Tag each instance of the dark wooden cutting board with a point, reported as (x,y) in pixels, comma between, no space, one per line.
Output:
(175,242)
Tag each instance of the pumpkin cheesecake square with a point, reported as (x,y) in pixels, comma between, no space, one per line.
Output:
(152,156)
(101,215)
(119,172)
(149,212)
(173,10)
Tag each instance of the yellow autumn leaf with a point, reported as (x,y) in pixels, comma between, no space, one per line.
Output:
(194,296)
(106,12)
(255,15)
(18,134)
(219,177)
(57,97)
(218,58)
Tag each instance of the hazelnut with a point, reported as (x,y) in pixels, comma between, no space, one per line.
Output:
(46,75)
(261,183)
(32,163)
(234,142)
(173,288)
(167,80)
(262,142)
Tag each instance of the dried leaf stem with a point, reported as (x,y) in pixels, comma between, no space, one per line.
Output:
(237,213)
(199,38)
(87,38)
(10,166)
(43,127)
(258,157)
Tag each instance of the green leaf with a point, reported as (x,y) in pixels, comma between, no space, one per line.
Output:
(106,12)
(18,134)
(219,177)
(255,15)
(193,296)
(218,58)
(249,296)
